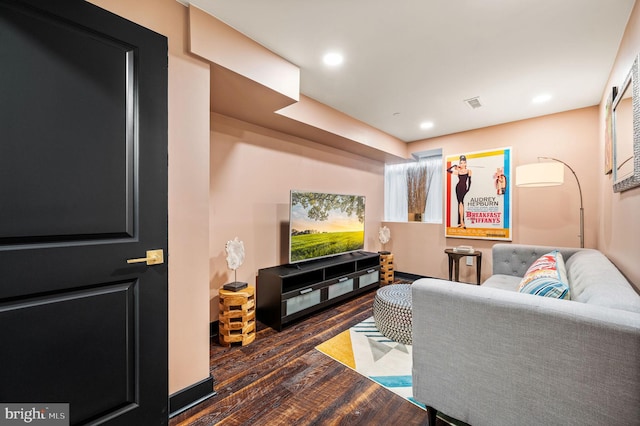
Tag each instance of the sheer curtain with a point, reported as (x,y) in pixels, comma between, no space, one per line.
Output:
(396,208)
(395,190)
(433,209)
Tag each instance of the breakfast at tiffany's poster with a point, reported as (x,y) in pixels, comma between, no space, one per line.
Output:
(478,194)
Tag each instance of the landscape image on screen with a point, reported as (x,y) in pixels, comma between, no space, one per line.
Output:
(324,225)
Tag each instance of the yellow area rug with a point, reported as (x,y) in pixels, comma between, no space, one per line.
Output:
(364,349)
(367,351)
(340,349)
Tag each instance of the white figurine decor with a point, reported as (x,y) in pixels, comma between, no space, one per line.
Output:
(384,235)
(235,254)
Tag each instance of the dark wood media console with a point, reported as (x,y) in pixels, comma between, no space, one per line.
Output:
(288,292)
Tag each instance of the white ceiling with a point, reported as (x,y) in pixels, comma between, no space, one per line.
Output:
(409,61)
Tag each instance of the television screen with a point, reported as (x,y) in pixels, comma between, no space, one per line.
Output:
(322,224)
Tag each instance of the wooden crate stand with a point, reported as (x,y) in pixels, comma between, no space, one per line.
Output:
(237,318)
(386,269)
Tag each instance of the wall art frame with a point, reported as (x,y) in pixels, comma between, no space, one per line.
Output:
(626,132)
(608,132)
(478,195)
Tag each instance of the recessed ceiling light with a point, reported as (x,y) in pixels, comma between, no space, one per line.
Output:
(333,59)
(541,98)
(426,125)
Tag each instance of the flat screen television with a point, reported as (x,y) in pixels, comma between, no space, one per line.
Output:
(324,224)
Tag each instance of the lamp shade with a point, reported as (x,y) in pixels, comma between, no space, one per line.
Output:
(540,174)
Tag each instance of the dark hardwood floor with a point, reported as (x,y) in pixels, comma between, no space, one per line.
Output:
(281,378)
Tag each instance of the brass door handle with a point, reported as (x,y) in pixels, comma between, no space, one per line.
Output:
(154,257)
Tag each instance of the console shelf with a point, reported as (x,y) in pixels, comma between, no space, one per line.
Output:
(287,292)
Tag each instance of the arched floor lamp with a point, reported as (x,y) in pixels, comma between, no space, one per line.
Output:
(548,174)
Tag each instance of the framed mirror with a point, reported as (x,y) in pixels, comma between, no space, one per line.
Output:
(626,133)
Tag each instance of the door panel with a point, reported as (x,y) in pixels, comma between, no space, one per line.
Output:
(83,188)
(70,100)
(98,362)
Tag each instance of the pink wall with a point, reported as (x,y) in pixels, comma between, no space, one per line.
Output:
(188,188)
(548,216)
(619,227)
(252,171)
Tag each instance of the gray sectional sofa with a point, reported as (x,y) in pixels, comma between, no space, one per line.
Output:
(489,355)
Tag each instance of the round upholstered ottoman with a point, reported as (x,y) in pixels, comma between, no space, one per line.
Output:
(392,312)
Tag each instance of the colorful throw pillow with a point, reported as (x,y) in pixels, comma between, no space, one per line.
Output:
(547,277)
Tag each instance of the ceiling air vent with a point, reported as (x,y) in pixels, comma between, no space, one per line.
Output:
(474,103)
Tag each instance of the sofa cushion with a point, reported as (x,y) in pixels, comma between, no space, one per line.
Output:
(595,280)
(503,282)
(546,277)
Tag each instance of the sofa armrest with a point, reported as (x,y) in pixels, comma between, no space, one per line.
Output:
(493,357)
(515,259)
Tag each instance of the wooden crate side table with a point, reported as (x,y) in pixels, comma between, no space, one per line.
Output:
(237,318)
(386,268)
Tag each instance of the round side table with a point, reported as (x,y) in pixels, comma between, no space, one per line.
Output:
(454,262)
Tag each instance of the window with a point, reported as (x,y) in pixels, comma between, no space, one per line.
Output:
(417,184)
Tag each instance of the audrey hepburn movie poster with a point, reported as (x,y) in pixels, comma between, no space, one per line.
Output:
(478,195)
